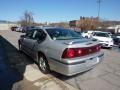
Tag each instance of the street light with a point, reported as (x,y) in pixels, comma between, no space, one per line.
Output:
(99,4)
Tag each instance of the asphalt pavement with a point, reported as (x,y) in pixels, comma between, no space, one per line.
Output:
(8,76)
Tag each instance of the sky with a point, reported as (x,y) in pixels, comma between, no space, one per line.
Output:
(59,10)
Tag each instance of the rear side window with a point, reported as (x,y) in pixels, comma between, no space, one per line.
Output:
(39,35)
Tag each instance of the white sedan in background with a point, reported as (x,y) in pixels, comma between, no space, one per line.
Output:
(104,38)
(87,34)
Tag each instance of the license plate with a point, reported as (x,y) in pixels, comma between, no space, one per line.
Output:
(93,61)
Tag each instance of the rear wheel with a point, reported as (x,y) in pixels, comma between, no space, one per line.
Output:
(119,46)
(43,64)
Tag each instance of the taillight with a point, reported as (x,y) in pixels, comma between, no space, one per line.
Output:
(68,53)
(77,52)
(72,52)
(98,47)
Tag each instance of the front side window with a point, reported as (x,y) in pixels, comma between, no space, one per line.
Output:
(62,34)
(29,34)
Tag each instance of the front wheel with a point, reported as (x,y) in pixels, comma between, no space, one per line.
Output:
(119,46)
(43,64)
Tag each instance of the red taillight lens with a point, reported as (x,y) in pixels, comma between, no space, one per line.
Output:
(72,52)
(77,52)
(98,47)
(69,53)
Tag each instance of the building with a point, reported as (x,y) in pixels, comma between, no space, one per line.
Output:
(7,26)
(73,23)
(116,28)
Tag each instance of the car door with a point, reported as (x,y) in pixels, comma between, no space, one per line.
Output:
(38,37)
(27,41)
(32,42)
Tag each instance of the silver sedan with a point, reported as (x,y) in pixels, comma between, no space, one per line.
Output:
(60,50)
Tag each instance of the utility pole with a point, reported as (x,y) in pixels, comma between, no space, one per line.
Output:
(99,5)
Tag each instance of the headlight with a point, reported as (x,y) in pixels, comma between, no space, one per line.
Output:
(111,41)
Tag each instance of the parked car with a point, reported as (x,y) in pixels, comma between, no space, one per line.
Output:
(79,32)
(19,29)
(60,50)
(24,29)
(14,28)
(109,33)
(116,38)
(104,38)
(87,34)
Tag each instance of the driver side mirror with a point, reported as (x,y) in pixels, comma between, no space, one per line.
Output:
(23,36)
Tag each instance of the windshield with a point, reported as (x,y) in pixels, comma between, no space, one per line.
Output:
(62,34)
(100,34)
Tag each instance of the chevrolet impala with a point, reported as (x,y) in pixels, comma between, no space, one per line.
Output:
(60,50)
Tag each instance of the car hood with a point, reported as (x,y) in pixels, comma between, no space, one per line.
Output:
(103,38)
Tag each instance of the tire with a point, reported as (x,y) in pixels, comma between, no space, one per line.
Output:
(43,64)
(86,36)
(110,48)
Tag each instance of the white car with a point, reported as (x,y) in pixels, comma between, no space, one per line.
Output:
(88,34)
(109,33)
(104,38)
(18,29)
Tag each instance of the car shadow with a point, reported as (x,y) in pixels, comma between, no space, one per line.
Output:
(13,65)
(71,80)
(64,78)
(16,63)
(116,48)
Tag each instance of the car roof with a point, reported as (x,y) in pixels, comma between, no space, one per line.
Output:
(46,27)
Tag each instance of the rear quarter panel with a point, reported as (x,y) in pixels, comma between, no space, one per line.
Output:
(52,49)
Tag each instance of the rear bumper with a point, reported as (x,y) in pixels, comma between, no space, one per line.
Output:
(84,64)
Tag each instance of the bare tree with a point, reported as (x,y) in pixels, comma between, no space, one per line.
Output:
(27,19)
(60,24)
(88,23)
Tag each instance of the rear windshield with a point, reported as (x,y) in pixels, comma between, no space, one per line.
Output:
(62,34)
